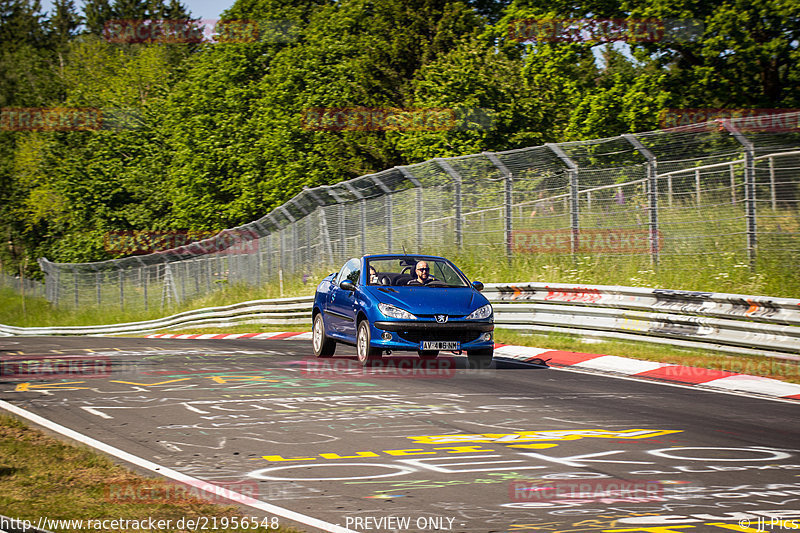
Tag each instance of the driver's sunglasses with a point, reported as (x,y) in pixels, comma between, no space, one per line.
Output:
(423,269)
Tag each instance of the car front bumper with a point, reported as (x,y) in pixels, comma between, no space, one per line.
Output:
(407,335)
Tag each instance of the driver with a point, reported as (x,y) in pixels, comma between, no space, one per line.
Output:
(423,276)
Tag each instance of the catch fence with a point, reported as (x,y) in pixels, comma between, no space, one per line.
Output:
(22,285)
(724,187)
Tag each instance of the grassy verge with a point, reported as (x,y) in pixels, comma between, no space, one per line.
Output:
(44,477)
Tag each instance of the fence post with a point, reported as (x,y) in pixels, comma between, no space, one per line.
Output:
(292,224)
(324,234)
(363,210)
(457,184)
(282,246)
(697,188)
(269,255)
(387,193)
(669,189)
(749,190)
(262,233)
(418,197)
(773,195)
(572,172)
(652,193)
(146,275)
(121,290)
(75,285)
(183,280)
(298,256)
(97,286)
(509,191)
(342,234)
(363,205)
(307,237)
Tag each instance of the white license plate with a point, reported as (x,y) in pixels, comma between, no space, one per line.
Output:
(440,345)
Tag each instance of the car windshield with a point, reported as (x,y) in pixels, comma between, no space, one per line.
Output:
(399,271)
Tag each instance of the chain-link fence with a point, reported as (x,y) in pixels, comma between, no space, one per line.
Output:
(22,285)
(724,187)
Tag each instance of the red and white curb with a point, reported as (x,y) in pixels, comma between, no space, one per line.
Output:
(666,372)
(284,335)
(612,364)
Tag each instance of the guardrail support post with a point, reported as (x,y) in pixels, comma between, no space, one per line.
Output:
(572,172)
(749,191)
(652,195)
(509,191)
(457,185)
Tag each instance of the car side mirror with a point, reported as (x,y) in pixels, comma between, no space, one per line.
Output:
(477,285)
(347,285)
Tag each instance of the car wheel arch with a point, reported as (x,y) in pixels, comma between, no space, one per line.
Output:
(360,317)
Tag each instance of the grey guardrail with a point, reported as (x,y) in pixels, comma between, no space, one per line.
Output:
(727,322)
(279,312)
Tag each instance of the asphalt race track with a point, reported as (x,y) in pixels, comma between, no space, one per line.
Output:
(419,446)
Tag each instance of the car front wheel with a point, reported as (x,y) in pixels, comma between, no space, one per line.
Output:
(366,353)
(323,346)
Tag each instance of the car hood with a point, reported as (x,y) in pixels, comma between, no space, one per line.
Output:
(454,301)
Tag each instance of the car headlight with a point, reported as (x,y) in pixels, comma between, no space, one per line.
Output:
(395,312)
(481,312)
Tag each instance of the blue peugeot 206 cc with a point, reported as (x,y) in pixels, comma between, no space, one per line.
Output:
(384,303)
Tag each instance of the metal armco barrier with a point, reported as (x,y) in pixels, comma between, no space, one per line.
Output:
(279,312)
(727,322)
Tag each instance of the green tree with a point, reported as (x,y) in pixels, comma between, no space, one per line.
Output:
(744,53)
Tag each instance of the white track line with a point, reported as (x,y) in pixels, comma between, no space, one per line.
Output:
(174,474)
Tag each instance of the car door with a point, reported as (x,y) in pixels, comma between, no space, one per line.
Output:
(342,304)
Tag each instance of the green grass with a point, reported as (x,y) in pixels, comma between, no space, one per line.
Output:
(43,477)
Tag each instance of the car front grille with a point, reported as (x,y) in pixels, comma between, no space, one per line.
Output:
(439,334)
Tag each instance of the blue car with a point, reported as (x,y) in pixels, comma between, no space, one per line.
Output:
(392,302)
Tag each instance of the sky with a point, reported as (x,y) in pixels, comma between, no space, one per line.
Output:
(202,9)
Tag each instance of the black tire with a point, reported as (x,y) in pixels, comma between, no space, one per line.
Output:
(323,346)
(428,354)
(480,358)
(366,353)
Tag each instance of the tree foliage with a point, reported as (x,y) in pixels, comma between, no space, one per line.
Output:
(212,135)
